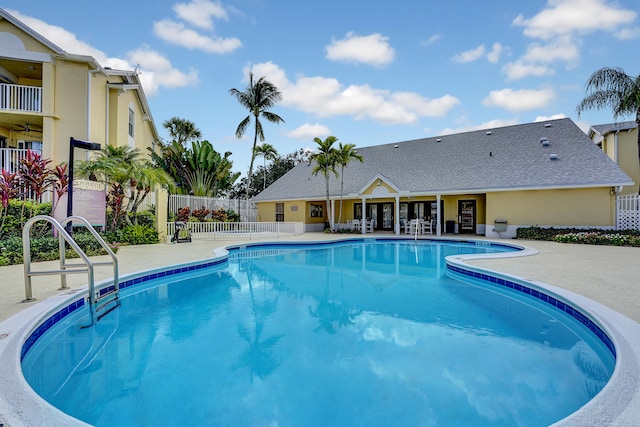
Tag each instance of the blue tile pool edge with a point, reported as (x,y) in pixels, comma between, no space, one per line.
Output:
(535,292)
(125,282)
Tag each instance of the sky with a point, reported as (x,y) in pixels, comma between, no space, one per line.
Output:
(366,72)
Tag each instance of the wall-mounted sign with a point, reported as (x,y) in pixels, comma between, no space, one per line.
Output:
(89,202)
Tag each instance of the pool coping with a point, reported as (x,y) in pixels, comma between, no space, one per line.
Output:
(618,404)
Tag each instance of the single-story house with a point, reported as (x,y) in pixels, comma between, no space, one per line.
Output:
(486,182)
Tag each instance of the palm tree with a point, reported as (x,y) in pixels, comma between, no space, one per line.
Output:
(345,155)
(325,160)
(129,176)
(258,97)
(182,130)
(613,88)
(268,152)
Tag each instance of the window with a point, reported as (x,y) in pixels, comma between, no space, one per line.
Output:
(132,117)
(279,212)
(316,211)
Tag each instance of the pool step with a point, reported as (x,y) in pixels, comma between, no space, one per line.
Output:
(106,303)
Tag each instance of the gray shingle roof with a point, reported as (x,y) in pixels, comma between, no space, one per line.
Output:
(498,159)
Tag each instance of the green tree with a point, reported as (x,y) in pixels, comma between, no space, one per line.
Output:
(280,166)
(268,152)
(345,154)
(182,130)
(209,174)
(613,88)
(325,162)
(259,96)
(129,177)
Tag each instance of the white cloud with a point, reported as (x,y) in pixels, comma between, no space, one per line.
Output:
(571,16)
(519,69)
(496,123)
(519,100)
(176,33)
(559,49)
(373,50)
(470,55)
(560,26)
(480,52)
(494,55)
(157,70)
(200,13)
(431,40)
(552,117)
(327,97)
(310,131)
(627,33)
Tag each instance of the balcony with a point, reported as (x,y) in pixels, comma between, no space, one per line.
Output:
(10,158)
(20,98)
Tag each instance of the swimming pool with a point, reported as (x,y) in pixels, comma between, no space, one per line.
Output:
(315,335)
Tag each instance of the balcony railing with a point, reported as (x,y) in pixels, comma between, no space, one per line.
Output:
(10,158)
(20,98)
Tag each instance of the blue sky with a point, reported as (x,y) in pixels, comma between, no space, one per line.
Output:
(366,72)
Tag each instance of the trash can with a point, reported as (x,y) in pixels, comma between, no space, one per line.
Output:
(450,227)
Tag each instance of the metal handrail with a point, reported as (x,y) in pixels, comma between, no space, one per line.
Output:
(86,266)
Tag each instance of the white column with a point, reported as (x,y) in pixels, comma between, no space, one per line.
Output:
(396,216)
(364,216)
(333,214)
(439,216)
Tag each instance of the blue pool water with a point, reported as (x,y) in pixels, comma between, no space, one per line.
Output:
(356,333)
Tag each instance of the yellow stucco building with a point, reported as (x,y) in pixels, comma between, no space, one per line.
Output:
(48,96)
(489,182)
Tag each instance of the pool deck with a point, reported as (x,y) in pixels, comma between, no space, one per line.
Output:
(606,274)
(602,279)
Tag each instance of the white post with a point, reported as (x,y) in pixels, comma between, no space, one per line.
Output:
(439,217)
(364,216)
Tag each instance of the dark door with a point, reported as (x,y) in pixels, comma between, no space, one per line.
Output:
(466,216)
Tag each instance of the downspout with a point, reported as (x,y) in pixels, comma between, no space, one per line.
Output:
(615,147)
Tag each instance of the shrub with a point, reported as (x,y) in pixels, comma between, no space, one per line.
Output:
(220,215)
(183,214)
(591,236)
(601,238)
(200,214)
(139,235)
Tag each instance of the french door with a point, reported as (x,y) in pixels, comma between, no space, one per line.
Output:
(466,216)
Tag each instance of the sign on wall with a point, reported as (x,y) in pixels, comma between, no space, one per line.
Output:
(89,202)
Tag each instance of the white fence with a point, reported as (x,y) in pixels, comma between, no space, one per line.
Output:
(246,209)
(238,230)
(628,212)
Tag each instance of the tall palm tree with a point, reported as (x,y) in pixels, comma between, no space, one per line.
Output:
(182,130)
(258,97)
(326,160)
(268,152)
(345,154)
(613,88)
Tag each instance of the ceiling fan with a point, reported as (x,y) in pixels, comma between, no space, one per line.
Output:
(28,127)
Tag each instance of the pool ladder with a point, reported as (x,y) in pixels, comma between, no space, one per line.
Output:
(100,303)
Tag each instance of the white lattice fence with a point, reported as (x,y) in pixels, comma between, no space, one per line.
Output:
(628,212)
